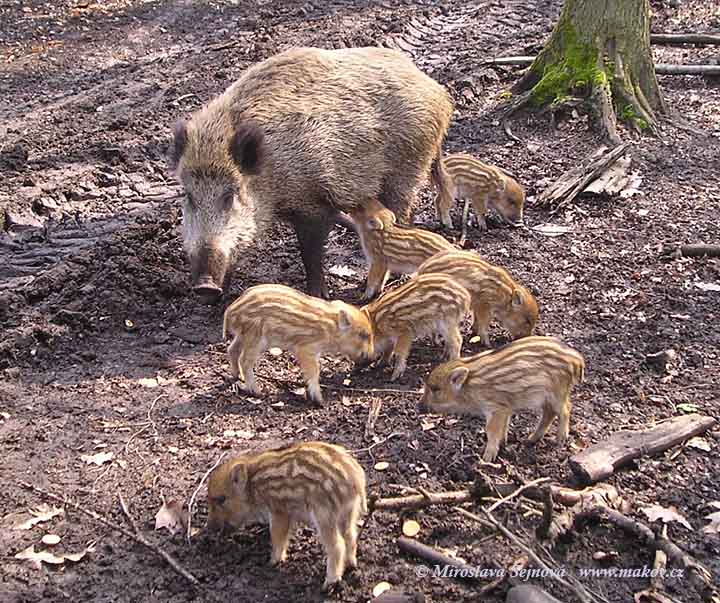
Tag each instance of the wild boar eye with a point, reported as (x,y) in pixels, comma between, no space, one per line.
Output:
(219,500)
(227,200)
(189,199)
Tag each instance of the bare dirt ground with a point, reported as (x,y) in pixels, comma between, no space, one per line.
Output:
(103,348)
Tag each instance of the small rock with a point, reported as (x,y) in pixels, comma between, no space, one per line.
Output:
(526,593)
(16,221)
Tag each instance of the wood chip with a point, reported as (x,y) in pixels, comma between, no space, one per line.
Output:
(50,539)
(380,588)
(381,466)
(411,528)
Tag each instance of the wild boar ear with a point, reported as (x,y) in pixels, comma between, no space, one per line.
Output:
(247,147)
(374,224)
(517,298)
(458,377)
(177,148)
(239,477)
(343,320)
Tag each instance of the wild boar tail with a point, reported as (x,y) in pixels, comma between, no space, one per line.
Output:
(438,175)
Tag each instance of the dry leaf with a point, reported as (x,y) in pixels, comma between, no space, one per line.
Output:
(342,270)
(172,516)
(666,514)
(381,466)
(39,514)
(551,230)
(148,382)
(346,382)
(708,286)
(37,557)
(714,526)
(475,339)
(380,588)
(97,459)
(50,539)
(427,424)
(411,528)
(699,443)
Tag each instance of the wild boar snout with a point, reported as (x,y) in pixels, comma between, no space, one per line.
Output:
(208,268)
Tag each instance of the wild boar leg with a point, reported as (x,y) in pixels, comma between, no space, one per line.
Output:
(481,322)
(279,536)
(376,279)
(453,343)
(248,358)
(480,205)
(234,350)
(494,431)
(401,353)
(564,419)
(350,534)
(310,367)
(335,551)
(547,418)
(312,233)
(506,427)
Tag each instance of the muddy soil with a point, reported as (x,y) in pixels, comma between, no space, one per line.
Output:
(103,348)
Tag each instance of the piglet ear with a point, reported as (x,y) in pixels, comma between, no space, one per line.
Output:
(239,477)
(247,148)
(179,142)
(458,377)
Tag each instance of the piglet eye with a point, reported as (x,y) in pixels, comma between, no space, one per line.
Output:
(220,500)
(227,200)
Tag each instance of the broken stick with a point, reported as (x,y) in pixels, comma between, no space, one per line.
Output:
(601,460)
(684,38)
(434,557)
(418,501)
(699,576)
(171,561)
(373,414)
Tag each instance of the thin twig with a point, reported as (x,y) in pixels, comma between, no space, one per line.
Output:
(146,425)
(137,537)
(584,595)
(194,495)
(370,448)
(373,414)
(465,214)
(520,490)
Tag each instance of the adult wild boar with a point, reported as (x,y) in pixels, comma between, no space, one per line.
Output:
(300,137)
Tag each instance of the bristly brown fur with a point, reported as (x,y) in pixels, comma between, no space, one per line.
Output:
(532,372)
(275,315)
(495,294)
(462,176)
(392,248)
(429,304)
(316,483)
(339,128)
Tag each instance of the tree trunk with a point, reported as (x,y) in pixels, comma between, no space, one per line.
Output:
(600,50)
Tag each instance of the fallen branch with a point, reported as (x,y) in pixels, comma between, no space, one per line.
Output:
(660,68)
(117,528)
(419,501)
(699,576)
(574,181)
(686,38)
(695,250)
(583,595)
(434,557)
(139,537)
(601,460)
